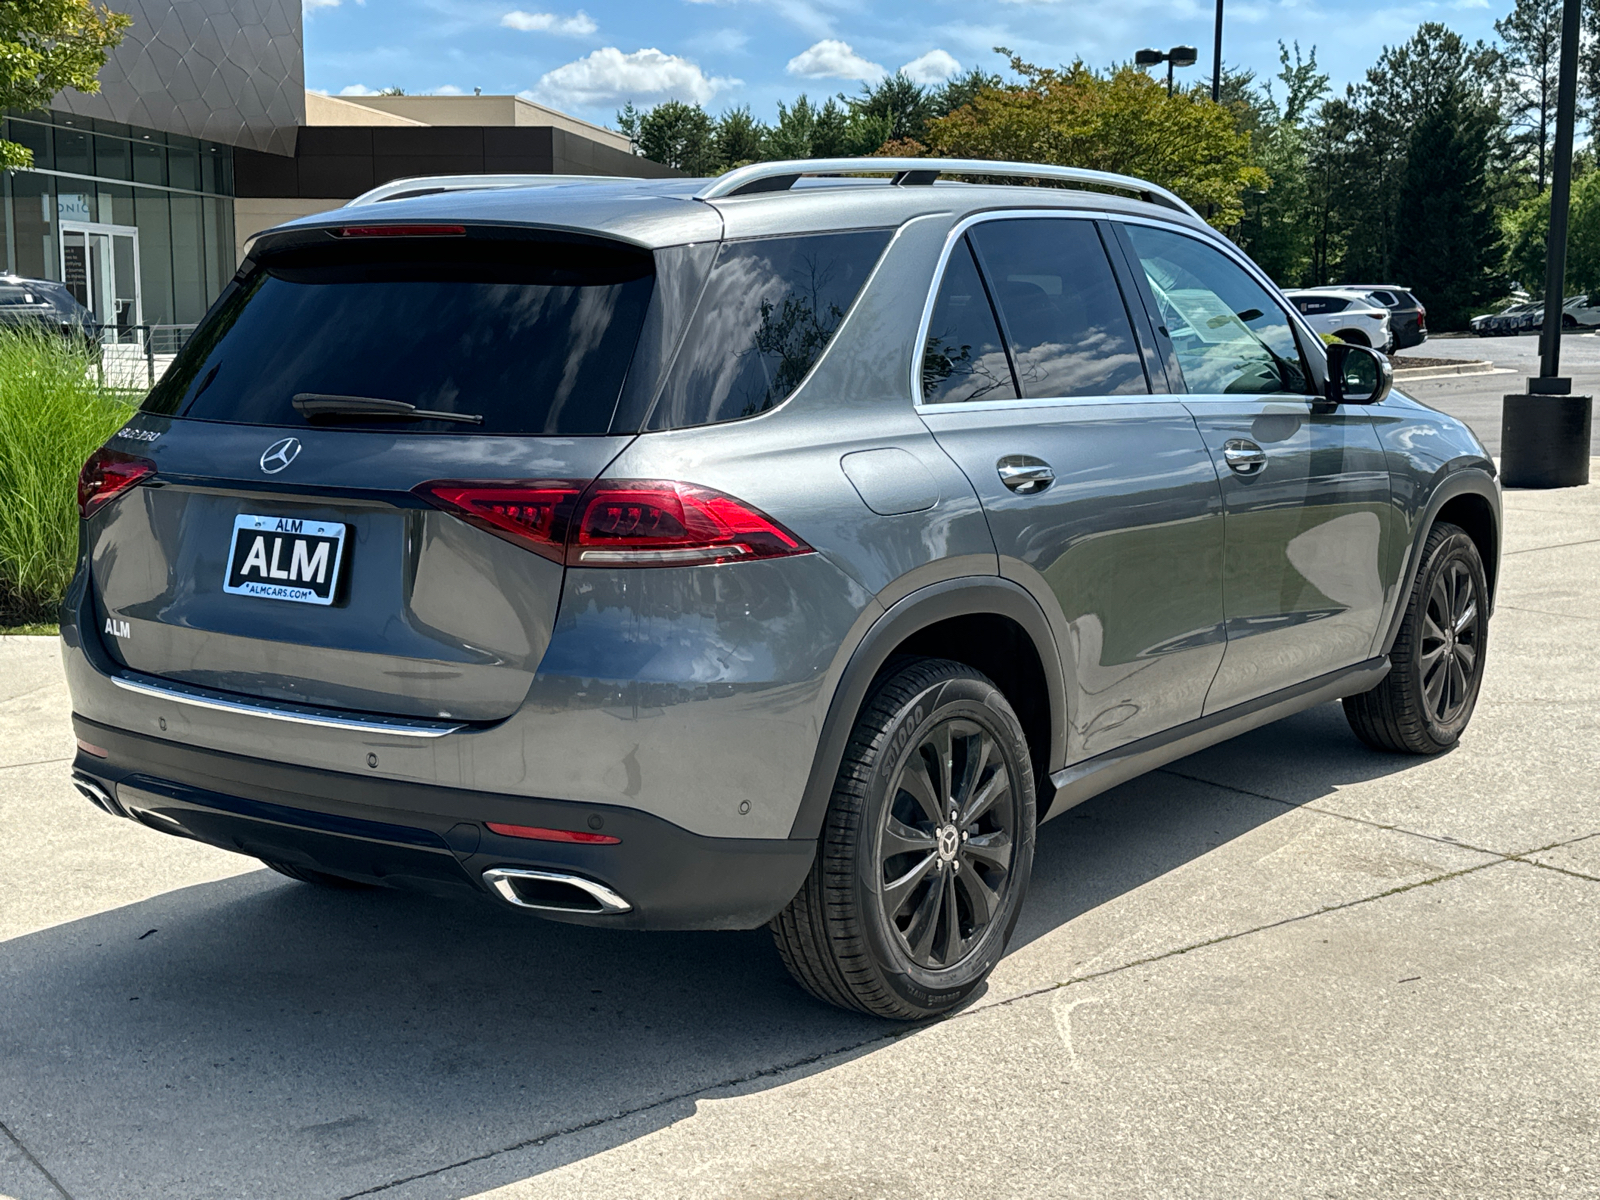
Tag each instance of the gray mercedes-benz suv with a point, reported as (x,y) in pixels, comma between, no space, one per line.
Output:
(768,550)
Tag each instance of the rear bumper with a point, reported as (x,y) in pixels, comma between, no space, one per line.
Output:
(436,839)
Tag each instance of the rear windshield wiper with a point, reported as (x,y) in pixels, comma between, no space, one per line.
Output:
(312,405)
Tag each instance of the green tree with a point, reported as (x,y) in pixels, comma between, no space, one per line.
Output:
(1277,229)
(48,45)
(1531,34)
(1122,121)
(1447,246)
(738,138)
(807,130)
(904,105)
(961,90)
(678,135)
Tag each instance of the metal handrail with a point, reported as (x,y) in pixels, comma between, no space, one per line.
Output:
(780,176)
(427,185)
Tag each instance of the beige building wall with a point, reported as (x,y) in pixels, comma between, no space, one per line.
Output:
(336,110)
(251,216)
(484,110)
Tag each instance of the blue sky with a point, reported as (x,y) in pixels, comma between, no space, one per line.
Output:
(588,57)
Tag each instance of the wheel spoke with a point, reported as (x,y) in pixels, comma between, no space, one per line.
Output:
(951,940)
(939,742)
(1468,615)
(914,781)
(1433,685)
(1429,657)
(900,838)
(1458,686)
(1430,629)
(897,891)
(925,921)
(1439,601)
(985,901)
(972,772)
(998,785)
(991,848)
(1468,657)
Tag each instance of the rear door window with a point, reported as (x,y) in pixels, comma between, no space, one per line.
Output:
(531,336)
(770,308)
(1228,333)
(1060,308)
(964,359)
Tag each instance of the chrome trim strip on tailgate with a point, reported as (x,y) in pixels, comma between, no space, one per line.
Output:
(274,710)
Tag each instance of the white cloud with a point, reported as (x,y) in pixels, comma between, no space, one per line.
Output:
(810,16)
(310,6)
(933,67)
(646,77)
(448,89)
(358,89)
(833,59)
(580,24)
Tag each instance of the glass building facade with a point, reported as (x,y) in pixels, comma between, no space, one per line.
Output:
(139,224)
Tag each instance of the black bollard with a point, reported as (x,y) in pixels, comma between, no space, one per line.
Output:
(1544,437)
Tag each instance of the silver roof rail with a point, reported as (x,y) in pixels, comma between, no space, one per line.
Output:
(781,176)
(427,185)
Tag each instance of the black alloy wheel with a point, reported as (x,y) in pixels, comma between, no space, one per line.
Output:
(1436,664)
(946,843)
(1452,636)
(925,852)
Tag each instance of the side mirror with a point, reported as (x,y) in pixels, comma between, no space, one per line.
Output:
(1357,374)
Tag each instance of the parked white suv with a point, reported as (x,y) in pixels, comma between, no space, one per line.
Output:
(1349,316)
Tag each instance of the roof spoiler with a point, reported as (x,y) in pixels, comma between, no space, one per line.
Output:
(914,172)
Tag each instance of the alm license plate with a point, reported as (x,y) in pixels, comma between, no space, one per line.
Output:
(285,558)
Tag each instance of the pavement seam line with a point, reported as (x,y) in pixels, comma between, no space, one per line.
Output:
(1328,812)
(1562,546)
(42,762)
(1542,613)
(37,1165)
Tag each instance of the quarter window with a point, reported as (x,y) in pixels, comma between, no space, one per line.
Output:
(1228,332)
(963,358)
(770,308)
(1062,312)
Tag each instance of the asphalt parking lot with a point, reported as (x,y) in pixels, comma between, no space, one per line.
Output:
(1286,966)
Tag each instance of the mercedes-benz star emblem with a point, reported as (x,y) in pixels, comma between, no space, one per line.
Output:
(279,455)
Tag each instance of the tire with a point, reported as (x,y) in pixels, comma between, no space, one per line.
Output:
(1436,667)
(922,947)
(320,878)
(1568,321)
(1354,336)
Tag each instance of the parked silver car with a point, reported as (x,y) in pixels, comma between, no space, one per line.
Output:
(769,549)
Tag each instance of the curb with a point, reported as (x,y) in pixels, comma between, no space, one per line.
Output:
(1404,375)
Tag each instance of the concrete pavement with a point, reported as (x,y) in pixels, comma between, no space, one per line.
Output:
(1286,966)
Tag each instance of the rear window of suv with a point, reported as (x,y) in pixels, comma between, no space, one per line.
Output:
(770,308)
(533,336)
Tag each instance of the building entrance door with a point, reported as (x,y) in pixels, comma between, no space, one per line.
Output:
(100,266)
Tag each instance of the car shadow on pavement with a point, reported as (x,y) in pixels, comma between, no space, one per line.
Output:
(255,1036)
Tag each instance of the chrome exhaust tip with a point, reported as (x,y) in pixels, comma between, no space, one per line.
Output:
(553,891)
(92,791)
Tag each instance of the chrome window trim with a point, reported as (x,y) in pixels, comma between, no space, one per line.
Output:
(180,693)
(1216,240)
(919,348)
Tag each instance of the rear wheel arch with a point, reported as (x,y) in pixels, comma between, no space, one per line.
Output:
(985,622)
(1354,336)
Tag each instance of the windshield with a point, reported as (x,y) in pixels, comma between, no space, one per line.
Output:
(531,336)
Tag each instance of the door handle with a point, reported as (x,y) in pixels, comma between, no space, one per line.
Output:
(1024,474)
(1243,456)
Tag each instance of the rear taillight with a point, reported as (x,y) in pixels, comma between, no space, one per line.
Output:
(534,515)
(618,523)
(108,474)
(537,833)
(1422,317)
(655,523)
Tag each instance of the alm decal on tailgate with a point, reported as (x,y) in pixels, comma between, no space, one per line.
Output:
(285,558)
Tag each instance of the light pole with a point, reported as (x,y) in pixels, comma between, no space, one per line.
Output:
(1178,56)
(1544,434)
(1216,59)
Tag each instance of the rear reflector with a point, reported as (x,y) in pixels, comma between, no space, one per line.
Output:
(617,523)
(108,474)
(91,749)
(537,834)
(363,231)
